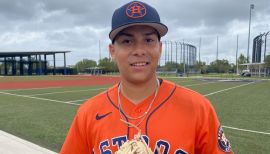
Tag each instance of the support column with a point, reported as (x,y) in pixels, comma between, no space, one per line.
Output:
(5,65)
(54,64)
(36,62)
(39,65)
(21,65)
(13,66)
(65,69)
(45,64)
(30,66)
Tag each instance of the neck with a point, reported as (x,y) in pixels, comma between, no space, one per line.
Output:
(138,92)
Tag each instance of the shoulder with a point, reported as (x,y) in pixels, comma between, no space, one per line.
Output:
(185,96)
(193,103)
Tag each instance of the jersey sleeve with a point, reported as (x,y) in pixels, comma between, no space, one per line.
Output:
(76,140)
(211,138)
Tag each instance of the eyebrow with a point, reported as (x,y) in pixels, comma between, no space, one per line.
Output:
(150,33)
(131,35)
(124,34)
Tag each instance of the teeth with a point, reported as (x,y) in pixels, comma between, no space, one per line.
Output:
(140,64)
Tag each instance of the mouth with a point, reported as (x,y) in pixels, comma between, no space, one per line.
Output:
(139,64)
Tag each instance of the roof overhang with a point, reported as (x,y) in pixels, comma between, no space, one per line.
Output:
(28,53)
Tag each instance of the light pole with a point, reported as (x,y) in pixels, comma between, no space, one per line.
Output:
(200,50)
(176,55)
(236,58)
(184,57)
(251,7)
(165,52)
(171,51)
(200,66)
(99,49)
(217,49)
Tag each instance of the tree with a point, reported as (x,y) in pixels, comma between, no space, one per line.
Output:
(232,68)
(85,63)
(171,66)
(267,64)
(241,60)
(107,65)
(201,66)
(267,61)
(219,66)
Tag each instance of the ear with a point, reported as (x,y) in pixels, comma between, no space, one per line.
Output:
(112,51)
(160,49)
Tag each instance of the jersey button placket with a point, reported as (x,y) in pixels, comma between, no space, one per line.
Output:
(136,112)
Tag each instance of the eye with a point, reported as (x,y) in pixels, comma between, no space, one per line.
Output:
(149,40)
(126,41)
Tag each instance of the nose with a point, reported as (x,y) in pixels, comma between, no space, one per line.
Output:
(139,49)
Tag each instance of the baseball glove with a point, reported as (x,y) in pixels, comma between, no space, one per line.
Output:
(134,146)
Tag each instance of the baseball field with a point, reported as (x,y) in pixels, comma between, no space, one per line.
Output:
(40,109)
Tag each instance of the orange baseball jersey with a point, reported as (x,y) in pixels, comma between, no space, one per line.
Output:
(180,121)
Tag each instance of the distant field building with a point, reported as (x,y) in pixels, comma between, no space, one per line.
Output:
(261,48)
(31,63)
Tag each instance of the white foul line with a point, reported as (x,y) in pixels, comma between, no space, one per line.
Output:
(198,84)
(246,130)
(30,89)
(77,100)
(44,99)
(70,91)
(228,89)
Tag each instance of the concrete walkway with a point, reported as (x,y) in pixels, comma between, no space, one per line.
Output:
(10,144)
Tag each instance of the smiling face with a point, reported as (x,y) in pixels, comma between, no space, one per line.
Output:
(136,51)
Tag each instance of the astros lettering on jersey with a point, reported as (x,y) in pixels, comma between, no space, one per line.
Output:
(180,121)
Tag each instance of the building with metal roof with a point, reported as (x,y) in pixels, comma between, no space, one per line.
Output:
(29,62)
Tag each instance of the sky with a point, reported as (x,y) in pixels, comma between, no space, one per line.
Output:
(79,26)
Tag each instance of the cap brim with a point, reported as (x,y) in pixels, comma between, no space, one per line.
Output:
(161,28)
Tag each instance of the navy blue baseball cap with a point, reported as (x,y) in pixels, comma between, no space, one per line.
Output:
(136,13)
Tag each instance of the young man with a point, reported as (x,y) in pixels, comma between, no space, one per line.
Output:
(171,119)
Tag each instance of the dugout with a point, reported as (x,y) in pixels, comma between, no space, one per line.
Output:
(94,70)
(29,63)
(257,69)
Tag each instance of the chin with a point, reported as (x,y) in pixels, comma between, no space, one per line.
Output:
(139,79)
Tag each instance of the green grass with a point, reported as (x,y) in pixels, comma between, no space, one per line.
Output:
(250,103)
(41,122)
(245,107)
(248,143)
(46,122)
(66,90)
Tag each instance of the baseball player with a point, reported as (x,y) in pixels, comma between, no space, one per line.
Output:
(144,114)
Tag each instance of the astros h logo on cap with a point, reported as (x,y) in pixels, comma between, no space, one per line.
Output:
(136,13)
(136,10)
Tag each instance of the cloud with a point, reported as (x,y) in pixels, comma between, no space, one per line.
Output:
(79,25)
